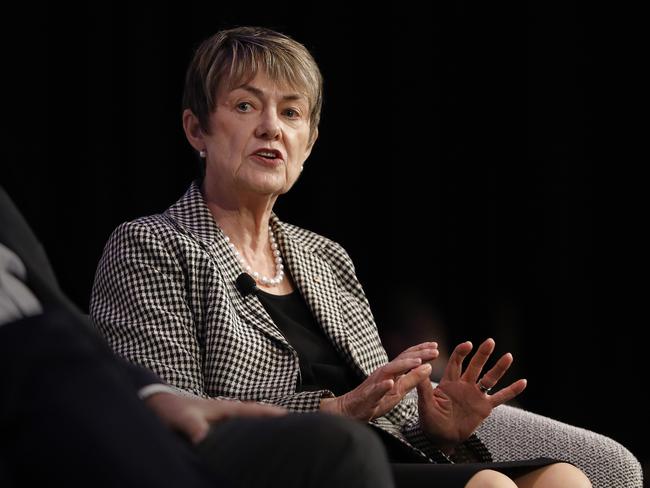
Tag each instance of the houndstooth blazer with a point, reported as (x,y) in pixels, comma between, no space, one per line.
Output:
(165,297)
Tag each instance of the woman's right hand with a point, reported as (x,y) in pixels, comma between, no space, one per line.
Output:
(386,386)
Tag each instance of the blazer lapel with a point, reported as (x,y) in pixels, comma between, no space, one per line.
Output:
(317,284)
(312,275)
(193,215)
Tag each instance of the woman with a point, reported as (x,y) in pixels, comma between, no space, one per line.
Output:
(48,354)
(169,291)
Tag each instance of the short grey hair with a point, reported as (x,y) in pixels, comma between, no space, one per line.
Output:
(234,56)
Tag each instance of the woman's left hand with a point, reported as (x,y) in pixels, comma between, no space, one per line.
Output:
(452,411)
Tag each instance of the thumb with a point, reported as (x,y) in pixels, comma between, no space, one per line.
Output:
(425,390)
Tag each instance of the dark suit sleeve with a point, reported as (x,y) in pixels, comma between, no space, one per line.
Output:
(17,236)
(69,408)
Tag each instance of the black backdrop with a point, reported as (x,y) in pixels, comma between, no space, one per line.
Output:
(458,164)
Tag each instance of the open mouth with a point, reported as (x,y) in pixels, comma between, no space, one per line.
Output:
(267,156)
(268,153)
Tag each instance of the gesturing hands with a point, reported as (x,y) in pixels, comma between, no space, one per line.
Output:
(386,386)
(450,413)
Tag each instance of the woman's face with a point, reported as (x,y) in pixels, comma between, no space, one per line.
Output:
(257,116)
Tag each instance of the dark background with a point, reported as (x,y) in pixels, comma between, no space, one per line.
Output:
(460,164)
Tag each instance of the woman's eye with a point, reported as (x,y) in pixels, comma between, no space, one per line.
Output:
(292,113)
(244,106)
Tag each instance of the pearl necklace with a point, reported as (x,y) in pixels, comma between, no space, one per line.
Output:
(279,267)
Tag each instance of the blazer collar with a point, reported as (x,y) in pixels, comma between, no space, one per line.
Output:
(192,214)
(312,275)
(317,284)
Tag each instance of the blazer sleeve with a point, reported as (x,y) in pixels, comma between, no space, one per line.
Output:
(139,376)
(139,302)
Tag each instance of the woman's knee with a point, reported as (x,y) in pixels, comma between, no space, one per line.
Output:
(558,475)
(489,478)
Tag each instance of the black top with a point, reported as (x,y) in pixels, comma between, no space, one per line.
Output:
(321,366)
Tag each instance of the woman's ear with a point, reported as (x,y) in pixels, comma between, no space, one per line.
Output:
(192,129)
(314,136)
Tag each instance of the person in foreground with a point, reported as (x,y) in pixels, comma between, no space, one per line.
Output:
(73,414)
(223,299)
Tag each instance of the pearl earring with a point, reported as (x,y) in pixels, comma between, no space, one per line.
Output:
(202,154)
(301,168)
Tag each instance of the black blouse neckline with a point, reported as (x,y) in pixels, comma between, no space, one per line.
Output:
(273,295)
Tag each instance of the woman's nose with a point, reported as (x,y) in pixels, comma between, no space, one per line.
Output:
(269,126)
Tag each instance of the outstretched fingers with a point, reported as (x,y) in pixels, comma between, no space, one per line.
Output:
(478,361)
(506,394)
(422,345)
(454,367)
(398,367)
(492,377)
(426,351)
